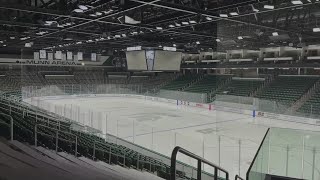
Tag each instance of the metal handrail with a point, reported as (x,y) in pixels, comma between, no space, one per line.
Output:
(200,161)
(238,178)
(11,125)
(57,136)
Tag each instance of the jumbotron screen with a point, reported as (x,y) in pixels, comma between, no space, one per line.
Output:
(153,60)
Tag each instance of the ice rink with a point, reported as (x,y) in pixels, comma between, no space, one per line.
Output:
(227,139)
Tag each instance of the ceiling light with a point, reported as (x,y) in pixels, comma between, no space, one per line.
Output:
(316,29)
(177,24)
(197,42)
(192,22)
(234,14)
(240,37)
(184,23)
(78,10)
(218,40)
(60,26)
(98,13)
(93,15)
(83,7)
(275,34)
(117,36)
(90,40)
(79,42)
(108,37)
(268,6)
(160,46)
(4,45)
(174,45)
(209,18)
(223,15)
(12,37)
(102,38)
(124,35)
(159,28)
(171,26)
(134,32)
(50,22)
(296,2)
(255,10)
(1,41)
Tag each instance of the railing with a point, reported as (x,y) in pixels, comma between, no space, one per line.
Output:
(11,125)
(238,178)
(256,155)
(199,168)
(57,137)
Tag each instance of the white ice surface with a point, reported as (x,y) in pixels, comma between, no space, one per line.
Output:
(161,126)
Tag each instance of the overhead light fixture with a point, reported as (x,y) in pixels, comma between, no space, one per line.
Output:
(171,26)
(192,22)
(197,42)
(275,34)
(234,14)
(78,10)
(218,40)
(177,24)
(223,15)
(93,15)
(134,33)
(174,45)
(60,26)
(124,35)
(83,7)
(296,2)
(184,23)
(1,42)
(159,28)
(255,10)
(12,37)
(316,29)
(24,38)
(117,36)
(90,40)
(240,37)
(50,22)
(4,45)
(98,13)
(160,46)
(268,6)
(79,42)
(209,18)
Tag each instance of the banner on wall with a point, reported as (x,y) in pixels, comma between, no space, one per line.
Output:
(93,57)
(50,56)
(80,56)
(63,56)
(43,54)
(58,55)
(36,55)
(69,55)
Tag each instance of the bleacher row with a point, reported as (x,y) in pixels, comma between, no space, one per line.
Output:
(285,90)
(47,146)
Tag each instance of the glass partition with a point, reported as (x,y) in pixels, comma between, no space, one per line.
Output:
(287,153)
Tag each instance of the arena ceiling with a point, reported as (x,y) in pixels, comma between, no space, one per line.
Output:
(100,25)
